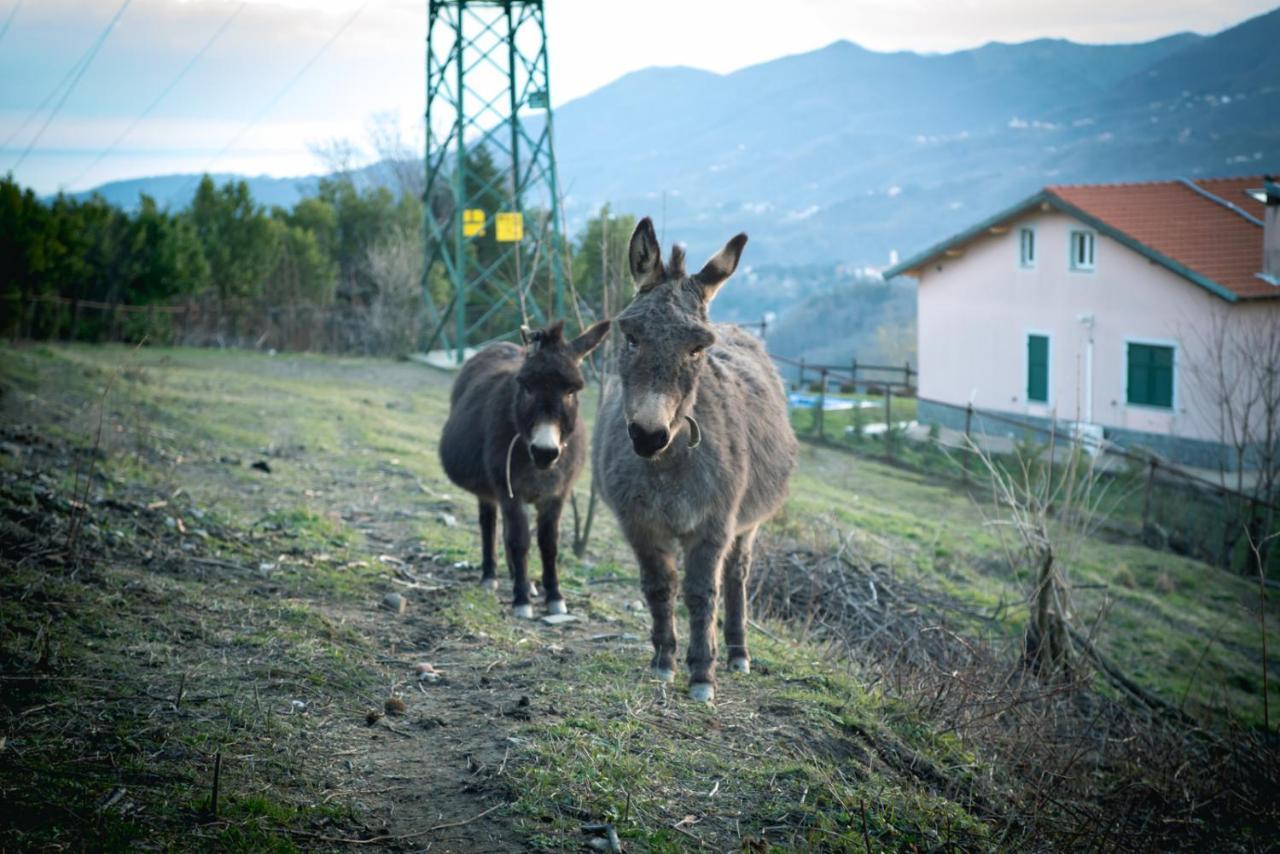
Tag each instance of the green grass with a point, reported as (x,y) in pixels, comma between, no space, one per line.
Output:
(795,754)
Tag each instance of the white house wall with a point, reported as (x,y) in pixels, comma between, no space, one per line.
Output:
(976,310)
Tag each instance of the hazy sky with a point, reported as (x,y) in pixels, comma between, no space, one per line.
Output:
(375,65)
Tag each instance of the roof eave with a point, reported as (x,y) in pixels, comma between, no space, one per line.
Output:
(922,258)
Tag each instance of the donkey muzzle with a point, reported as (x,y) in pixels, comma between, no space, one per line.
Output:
(646,442)
(544,445)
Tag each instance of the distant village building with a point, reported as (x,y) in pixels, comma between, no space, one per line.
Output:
(1096,305)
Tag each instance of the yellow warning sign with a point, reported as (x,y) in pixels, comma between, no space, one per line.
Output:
(473,222)
(510,227)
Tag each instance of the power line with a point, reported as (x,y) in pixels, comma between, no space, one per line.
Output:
(84,66)
(9,20)
(284,90)
(163,94)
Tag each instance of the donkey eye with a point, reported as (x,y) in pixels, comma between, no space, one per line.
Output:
(632,342)
(696,352)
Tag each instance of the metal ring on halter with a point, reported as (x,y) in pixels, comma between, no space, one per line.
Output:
(695,432)
(511,448)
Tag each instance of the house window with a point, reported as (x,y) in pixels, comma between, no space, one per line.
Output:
(1082,250)
(1027,247)
(1150,375)
(1038,368)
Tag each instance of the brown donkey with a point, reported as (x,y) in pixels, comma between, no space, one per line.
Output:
(514,436)
(692,451)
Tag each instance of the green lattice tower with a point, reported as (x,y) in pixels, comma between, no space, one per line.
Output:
(488,88)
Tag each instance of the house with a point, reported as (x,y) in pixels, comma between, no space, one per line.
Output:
(1096,305)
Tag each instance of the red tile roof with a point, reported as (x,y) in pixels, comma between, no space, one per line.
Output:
(1187,222)
(1208,230)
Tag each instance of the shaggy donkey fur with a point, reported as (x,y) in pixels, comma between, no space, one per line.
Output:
(692,451)
(513,436)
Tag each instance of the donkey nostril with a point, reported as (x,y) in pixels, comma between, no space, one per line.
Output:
(543,457)
(646,442)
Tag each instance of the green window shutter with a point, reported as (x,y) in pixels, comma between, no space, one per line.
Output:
(1038,368)
(1151,375)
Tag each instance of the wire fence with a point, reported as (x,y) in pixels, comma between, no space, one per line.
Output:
(1164,504)
(382,328)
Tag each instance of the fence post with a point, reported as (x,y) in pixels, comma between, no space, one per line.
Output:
(800,383)
(968,439)
(906,374)
(888,421)
(75,319)
(854,373)
(1146,498)
(820,415)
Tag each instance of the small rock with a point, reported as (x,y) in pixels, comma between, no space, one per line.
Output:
(265,569)
(636,605)
(395,706)
(560,619)
(262,466)
(447,519)
(395,602)
(299,705)
(372,716)
(171,523)
(229,461)
(11,449)
(426,672)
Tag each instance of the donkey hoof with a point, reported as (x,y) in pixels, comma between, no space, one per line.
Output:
(556,606)
(702,692)
(523,612)
(663,675)
(489,583)
(740,665)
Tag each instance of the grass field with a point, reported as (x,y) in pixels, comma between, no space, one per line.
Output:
(166,609)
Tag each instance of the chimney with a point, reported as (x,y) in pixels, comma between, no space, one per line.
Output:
(1271,229)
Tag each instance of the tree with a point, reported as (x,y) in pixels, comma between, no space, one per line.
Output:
(237,238)
(168,259)
(600,262)
(1238,376)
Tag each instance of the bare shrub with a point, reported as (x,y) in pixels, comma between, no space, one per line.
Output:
(1060,764)
(393,314)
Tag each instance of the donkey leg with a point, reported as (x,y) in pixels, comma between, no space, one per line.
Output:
(703,564)
(515,532)
(488,535)
(658,581)
(737,569)
(548,548)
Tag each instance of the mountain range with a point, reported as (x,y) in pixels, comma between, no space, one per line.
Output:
(843,155)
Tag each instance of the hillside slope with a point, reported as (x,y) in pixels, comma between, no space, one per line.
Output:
(171,615)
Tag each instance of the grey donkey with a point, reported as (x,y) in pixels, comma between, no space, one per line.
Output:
(692,451)
(514,436)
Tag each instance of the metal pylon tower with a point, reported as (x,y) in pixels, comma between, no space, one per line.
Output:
(492,207)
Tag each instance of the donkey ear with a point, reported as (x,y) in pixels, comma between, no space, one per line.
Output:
(589,340)
(646,256)
(720,267)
